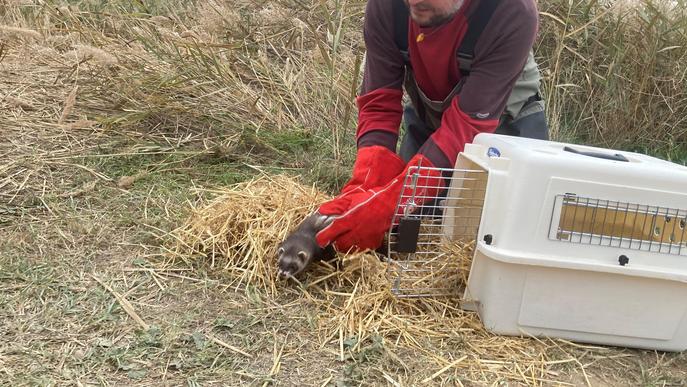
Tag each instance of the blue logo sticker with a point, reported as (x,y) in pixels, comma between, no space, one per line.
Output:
(493,152)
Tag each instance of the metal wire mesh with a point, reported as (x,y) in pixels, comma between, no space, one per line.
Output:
(612,223)
(428,230)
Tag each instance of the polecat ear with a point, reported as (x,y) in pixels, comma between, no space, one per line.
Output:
(280,251)
(303,255)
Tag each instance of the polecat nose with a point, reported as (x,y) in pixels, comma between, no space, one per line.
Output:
(287,269)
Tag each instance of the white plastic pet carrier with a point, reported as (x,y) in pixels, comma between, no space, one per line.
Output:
(571,241)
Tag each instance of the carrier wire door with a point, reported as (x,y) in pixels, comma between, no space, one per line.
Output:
(430,239)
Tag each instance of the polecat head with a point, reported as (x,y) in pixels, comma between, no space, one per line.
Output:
(295,254)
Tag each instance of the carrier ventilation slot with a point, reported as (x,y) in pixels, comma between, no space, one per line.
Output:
(619,224)
(427,241)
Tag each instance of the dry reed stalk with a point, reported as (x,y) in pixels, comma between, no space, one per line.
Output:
(64,10)
(161,20)
(19,32)
(20,103)
(126,305)
(81,124)
(85,52)
(228,346)
(69,103)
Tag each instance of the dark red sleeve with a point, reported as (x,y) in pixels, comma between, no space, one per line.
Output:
(500,55)
(379,103)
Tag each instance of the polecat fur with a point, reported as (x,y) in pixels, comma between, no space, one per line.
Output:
(300,248)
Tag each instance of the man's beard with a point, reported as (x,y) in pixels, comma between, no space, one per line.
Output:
(437,19)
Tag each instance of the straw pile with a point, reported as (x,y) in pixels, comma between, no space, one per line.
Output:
(240,229)
(439,266)
(243,225)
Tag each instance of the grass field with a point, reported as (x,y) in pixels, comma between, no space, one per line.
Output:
(122,121)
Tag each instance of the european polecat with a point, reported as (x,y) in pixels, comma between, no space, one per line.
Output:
(300,248)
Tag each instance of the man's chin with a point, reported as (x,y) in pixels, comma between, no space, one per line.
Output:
(423,22)
(430,21)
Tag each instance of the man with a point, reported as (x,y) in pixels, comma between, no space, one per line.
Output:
(468,68)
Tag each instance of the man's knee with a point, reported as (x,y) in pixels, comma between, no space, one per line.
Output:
(533,126)
(530,122)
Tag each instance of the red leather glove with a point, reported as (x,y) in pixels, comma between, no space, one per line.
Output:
(370,211)
(374,167)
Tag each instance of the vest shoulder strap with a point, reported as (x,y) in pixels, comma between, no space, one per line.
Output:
(400,13)
(476,24)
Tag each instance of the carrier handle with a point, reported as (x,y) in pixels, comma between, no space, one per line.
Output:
(615,157)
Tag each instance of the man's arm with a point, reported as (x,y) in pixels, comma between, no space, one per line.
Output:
(500,55)
(379,103)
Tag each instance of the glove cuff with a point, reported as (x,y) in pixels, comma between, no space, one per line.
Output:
(378,137)
(374,166)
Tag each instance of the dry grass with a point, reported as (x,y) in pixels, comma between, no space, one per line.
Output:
(119,118)
(10,32)
(242,226)
(615,73)
(254,83)
(238,230)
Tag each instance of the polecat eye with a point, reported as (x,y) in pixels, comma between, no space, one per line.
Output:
(302,255)
(280,251)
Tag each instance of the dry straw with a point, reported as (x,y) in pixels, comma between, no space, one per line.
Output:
(20,103)
(19,2)
(84,52)
(68,105)
(19,33)
(240,228)
(242,225)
